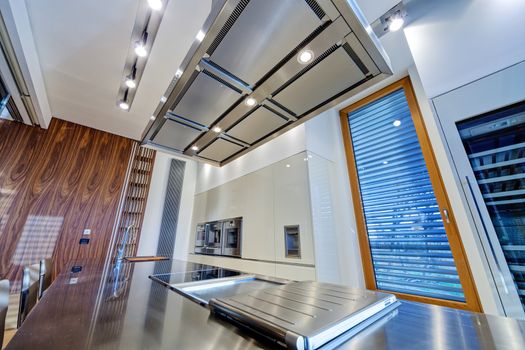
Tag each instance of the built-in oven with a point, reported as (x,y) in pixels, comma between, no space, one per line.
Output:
(214,238)
(232,234)
(200,239)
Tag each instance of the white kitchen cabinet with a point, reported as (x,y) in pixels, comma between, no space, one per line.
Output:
(258,240)
(292,207)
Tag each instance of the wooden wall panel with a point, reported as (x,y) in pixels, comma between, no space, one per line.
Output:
(53,184)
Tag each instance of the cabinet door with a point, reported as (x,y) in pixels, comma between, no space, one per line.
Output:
(258,241)
(292,206)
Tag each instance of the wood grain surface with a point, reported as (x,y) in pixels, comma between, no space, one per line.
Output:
(55,183)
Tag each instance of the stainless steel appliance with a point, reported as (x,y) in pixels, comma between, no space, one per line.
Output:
(214,238)
(231,240)
(200,238)
(222,237)
(303,315)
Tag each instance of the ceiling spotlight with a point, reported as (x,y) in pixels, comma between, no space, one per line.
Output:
(140,46)
(216,129)
(123,105)
(155,4)
(140,50)
(305,56)
(396,122)
(288,165)
(250,101)
(395,22)
(130,83)
(178,73)
(195,147)
(163,99)
(200,35)
(152,117)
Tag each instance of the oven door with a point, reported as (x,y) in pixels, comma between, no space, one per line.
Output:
(489,163)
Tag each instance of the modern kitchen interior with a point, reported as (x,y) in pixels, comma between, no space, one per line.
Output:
(262,174)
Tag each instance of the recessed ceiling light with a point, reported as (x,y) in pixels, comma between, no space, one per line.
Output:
(123,105)
(217,129)
(195,147)
(131,83)
(305,56)
(250,101)
(200,35)
(288,165)
(395,22)
(152,117)
(178,73)
(396,122)
(140,49)
(155,4)
(163,99)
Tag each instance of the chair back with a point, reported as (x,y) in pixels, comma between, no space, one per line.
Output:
(4,303)
(44,279)
(29,292)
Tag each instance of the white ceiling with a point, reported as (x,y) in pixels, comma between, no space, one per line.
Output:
(82,46)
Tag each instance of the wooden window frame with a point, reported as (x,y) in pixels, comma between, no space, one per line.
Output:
(472,301)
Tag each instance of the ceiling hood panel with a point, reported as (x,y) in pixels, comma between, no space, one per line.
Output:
(257,125)
(323,81)
(219,150)
(265,32)
(250,49)
(175,135)
(205,100)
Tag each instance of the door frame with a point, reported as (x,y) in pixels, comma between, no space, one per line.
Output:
(472,301)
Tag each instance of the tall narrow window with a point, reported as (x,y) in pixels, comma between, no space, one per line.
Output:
(408,238)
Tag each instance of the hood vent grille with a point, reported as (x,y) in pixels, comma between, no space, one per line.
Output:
(251,51)
(229,23)
(316,8)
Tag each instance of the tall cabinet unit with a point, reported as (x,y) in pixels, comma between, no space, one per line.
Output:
(484,126)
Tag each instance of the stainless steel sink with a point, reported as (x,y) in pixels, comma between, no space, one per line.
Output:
(203,291)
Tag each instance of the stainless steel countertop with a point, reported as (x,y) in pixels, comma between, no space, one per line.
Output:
(138,313)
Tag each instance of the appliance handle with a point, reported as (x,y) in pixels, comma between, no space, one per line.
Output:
(486,232)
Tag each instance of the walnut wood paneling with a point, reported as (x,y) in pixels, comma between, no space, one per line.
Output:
(54,183)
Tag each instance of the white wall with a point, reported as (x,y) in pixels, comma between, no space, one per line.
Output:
(454,42)
(155,206)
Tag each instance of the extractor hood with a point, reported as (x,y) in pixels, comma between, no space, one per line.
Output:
(261,67)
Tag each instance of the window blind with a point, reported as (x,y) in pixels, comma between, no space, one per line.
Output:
(408,243)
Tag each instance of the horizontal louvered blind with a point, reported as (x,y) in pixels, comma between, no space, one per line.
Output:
(409,246)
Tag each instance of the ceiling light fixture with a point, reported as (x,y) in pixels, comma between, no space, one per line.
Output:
(123,105)
(152,117)
(163,99)
(396,122)
(217,129)
(195,148)
(200,35)
(395,22)
(155,4)
(305,56)
(140,46)
(130,79)
(250,101)
(178,73)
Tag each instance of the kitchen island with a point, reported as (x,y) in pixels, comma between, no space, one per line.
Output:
(122,308)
